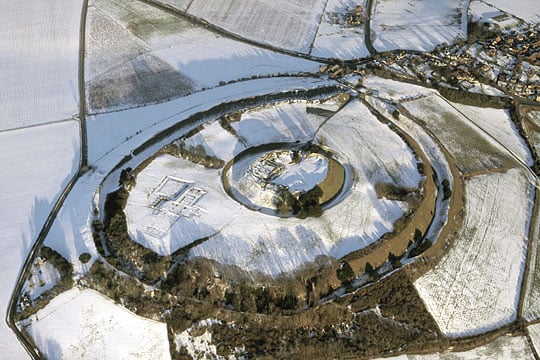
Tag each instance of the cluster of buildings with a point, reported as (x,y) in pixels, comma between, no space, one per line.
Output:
(349,17)
(508,61)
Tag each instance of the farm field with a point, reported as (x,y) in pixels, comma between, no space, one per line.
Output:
(456,132)
(27,202)
(528,10)
(81,321)
(475,288)
(392,90)
(334,29)
(482,11)
(498,124)
(531,310)
(417,25)
(290,25)
(534,334)
(505,347)
(158,56)
(43,39)
(281,123)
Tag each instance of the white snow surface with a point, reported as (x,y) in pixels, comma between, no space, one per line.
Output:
(42,277)
(417,25)
(36,164)
(339,40)
(287,24)
(378,153)
(475,287)
(39,61)
(71,232)
(210,59)
(107,132)
(480,11)
(215,142)
(258,242)
(534,334)
(304,175)
(499,125)
(280,123)
(393,90)
(528,10)
(503,348)
(198,347)
(85,324)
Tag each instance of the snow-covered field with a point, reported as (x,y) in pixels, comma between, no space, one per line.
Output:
(85,324)
(287,24)
(216,142)
(138,54)
(209,59)
(282,123)
(472,149)
(531,300)
(392,90)
(36,165)
(504,348)
(272,245)
(534,334)
(498,124)
(71,232)
(528,10)
(39,62)
(259,242)
(475,287)
(336,38)
(371,147)
(482,12)
(417,25)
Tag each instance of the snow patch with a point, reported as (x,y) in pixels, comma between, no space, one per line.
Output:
(82,322)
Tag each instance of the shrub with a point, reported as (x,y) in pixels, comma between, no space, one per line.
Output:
(345,273)
(85,257)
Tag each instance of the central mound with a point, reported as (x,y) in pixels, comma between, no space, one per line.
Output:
(295,171)
(274,188)
(286,180)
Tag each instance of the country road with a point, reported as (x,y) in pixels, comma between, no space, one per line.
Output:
(83,163)
(367,28)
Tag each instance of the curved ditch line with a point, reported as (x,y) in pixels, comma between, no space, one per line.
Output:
(239,197)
